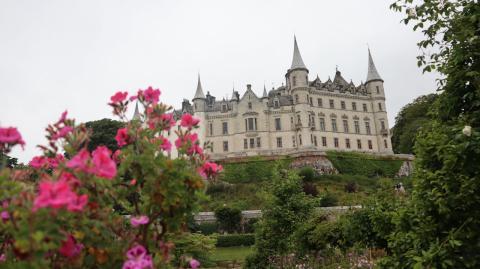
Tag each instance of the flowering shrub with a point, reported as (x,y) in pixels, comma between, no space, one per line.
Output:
(103,209)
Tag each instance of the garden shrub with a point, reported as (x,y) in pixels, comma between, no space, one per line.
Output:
(310,189)
(103,209)
(351,187)
(249,225)
(189,245)
(307,173)
(355,163)
(207,228)
(254,169)
(328,199)
(228,219)
(234,240)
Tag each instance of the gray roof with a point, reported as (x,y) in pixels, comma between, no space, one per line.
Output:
(297,61)
(372,70)
(199,92)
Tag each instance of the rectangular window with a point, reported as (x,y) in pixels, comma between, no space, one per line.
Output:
(380,106)
(378,89)
(252,143)
(342,104)
(322,124)
(382,123)
(296,98)
(293,141)
(365,108)
(315,140)
(300,140)
(345,126)
(385,143)
(357,127)
(225,146)
(279,142)
(211,128)
(259,145)
(367,127)
(278,126)
(320,103)
(359,144)
(245,143)
(354,106)
(211,147)
(249,105)
(335,142)
(311,138)
(298,120)
(334,125)
(332,104)
(311,101)
(324,141)
(225,127)
(276,104)
(347,143)
(370,146)
(252,124)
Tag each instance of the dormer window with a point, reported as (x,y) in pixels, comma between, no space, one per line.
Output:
(249,105)
(276,104)
(224,108)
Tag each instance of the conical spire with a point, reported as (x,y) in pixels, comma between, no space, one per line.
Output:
(297,61)
(264,91)
(372,70)
(199,92)
(136,114)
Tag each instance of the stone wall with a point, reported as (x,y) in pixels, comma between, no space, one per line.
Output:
(320,164)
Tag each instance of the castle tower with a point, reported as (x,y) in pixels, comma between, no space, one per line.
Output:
(374,85)
(199,98)
(297,86)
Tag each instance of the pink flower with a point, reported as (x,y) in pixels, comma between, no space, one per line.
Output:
(53,194)
(167,121)
(140,220)
(210,169)
(166,145)
(70,179)
(119,97)
(152,95)
(78,203)
(138,258)
(62,132)
(104,166)
(54,162)
(189,121)
(116,156)
(122,137)
(63,117)
(80,161)
(70,248)
(195,149)
(5,215)
(187,139)
(3,257)
(194,264)
(38,162)
(10,137)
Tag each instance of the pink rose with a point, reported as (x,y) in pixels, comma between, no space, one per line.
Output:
(194,264)
(152,95)
(210,169)
(10,137)
(140,220)
(104,166)
(70,248)
(119,97)
(189,121)
(122,137)
(62,132)
(166,145)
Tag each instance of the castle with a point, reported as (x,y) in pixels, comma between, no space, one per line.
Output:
(301,116)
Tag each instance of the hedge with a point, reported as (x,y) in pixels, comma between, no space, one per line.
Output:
(252,170)
(233,240)
(364,164)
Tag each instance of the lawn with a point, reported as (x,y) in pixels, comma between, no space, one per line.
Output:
(231,254)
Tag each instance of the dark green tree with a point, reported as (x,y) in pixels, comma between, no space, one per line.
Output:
(439,227)
(7,161)
(103,133)
(409,121)
(287,208)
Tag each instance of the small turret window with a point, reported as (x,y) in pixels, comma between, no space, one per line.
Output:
(294,79)
(380,106)
(378,90)
(296,98)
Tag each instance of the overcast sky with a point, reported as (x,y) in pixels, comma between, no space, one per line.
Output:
(57,55)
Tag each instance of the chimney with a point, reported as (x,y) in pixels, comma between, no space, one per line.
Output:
(249,87)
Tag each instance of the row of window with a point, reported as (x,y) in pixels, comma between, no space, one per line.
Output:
(256,142)
(251,125)
(331,103)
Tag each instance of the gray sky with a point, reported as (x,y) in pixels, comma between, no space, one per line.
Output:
(57,55)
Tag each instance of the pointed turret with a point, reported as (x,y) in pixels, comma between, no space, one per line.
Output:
(199,92)
(264,91)
(136,114)
(297,61)
(372,70)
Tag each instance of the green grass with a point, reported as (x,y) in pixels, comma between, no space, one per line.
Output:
(231,254)
(244,196)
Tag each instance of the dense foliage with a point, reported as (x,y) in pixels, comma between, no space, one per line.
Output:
(354,163)
(234,240)
(254,169)
(408,122)
(288,206)
(103,209)
(439,226)
(228,219)
(102,133)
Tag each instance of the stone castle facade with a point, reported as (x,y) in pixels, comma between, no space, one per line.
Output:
(302,115)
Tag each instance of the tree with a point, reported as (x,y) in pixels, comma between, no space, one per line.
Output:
(439,226)
(7,161)
(103,133)
(287,208)
(408,122)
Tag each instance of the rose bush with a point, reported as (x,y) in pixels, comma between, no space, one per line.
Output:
(103,209)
